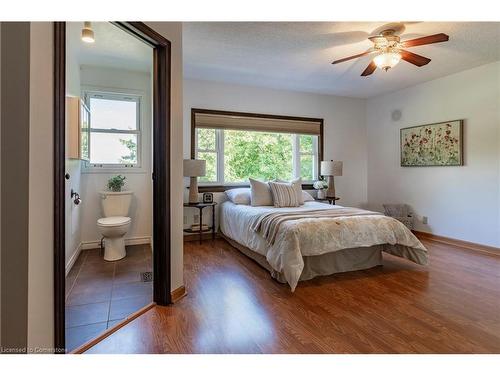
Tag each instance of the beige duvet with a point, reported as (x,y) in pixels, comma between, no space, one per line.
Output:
(307,235)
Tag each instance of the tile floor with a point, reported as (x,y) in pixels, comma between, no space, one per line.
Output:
(100,294)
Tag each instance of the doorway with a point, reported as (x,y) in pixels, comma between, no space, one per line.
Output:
(160,169)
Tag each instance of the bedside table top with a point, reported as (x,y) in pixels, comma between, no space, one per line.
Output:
(329,200)
(199,204)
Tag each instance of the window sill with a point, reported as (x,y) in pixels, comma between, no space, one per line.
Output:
(114,170)
(221,188)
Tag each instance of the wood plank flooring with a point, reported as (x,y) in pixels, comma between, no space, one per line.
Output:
(233,306)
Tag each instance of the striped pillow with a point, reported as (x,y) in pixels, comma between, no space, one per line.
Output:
(284,194)
(297,184)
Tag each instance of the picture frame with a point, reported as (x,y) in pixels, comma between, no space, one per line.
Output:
(208,198)
(432,145)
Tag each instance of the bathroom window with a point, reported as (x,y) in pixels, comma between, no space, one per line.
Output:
(115,131)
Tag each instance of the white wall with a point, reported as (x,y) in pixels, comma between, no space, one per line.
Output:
(344,124)
(132,82)
(460,202)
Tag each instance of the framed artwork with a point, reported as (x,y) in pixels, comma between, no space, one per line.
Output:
(439,144)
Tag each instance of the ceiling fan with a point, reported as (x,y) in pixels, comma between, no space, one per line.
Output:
(389,50)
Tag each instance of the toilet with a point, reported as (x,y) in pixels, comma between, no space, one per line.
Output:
(115,223)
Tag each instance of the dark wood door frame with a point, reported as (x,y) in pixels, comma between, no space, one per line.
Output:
(161,167)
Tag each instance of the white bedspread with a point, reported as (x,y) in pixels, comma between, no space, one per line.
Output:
(316,236)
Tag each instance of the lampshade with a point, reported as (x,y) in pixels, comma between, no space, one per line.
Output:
(331,168)
(387,60)
(194,168)
(87,33)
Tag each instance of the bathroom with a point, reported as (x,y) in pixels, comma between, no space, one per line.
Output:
(108,178)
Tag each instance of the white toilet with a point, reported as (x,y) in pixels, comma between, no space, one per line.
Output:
(115,223)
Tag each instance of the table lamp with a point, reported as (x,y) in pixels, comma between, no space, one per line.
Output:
(330,169)
(194,169)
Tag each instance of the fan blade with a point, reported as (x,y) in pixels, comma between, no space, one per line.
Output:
(369,69)
(413,58)
(436,38)
(352,57)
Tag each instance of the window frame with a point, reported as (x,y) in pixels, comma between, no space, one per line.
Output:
(220,184)
(122,95)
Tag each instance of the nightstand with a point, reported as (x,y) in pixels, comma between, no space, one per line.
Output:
(200,206)
(329,200)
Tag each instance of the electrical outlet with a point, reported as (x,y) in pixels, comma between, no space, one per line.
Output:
(424,220)
(196,219)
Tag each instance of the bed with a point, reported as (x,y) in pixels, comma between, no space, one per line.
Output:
(315,239)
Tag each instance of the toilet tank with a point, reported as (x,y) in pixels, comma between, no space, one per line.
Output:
(115,203)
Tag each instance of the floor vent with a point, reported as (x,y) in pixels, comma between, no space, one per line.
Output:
(147,276)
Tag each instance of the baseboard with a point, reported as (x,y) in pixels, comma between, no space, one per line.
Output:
(86,245)
(178,294)
(73,258)
(485,249)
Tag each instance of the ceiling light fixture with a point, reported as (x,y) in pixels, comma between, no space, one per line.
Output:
(387,60)
(87,33)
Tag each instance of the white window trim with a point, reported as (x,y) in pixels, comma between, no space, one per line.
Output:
(135,95)
(315,156)
(219,151)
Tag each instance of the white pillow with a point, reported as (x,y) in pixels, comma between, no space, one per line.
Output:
(284,194)
(239,195)
(260,193)
(297,184)
(306,196)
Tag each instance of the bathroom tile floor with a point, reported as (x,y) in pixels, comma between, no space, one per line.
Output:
(100,294)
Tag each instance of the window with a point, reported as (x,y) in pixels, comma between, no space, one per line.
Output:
(115,131)
(234,155)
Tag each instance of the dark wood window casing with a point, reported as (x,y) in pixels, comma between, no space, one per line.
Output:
(317,123)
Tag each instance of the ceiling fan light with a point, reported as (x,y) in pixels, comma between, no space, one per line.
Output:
(387,60)
(88,33)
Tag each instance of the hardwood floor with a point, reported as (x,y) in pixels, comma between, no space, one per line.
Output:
(233,306)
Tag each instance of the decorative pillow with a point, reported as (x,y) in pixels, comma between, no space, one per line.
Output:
(306,196)
(284,194)
(297,184)
(239,195)
(260,193)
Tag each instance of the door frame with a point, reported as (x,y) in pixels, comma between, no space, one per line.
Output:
(161,168)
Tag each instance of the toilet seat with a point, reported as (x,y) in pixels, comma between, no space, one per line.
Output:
(113,221)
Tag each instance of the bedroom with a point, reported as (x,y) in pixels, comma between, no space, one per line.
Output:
(317,186)
(257,122)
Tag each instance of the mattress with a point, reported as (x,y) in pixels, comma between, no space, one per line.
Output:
(309,247)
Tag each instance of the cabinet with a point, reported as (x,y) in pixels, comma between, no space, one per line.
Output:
(77,129)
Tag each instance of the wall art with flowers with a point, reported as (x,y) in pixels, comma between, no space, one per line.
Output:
(437,144)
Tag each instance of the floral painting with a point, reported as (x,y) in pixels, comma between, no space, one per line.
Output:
(432,145)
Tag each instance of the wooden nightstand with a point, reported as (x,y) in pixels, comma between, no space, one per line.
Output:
(200,206)
(329,200)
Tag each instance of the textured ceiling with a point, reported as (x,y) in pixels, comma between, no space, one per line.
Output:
(113,47)
(298,55)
